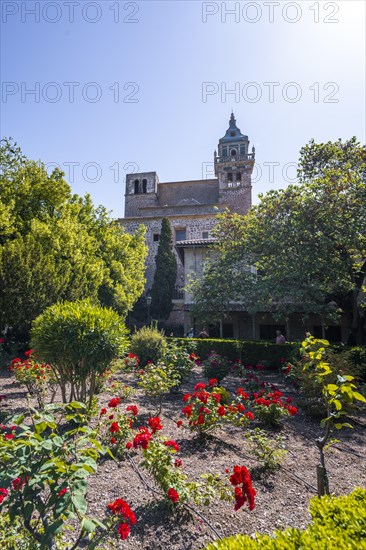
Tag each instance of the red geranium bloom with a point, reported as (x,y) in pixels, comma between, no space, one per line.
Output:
(113,441)
(213,382)
(114,402)
(179,423)
(186,396)
(128,445)
(177,462)
(133,409)
(216,397)
(123,531)
(120,508)
(199,386)
(114,427)
(28,353)
(173,495)
(249,415)
(240,407)
(3,493)
(221,411)
(155,424)
(187,411)
(9,436)
(103,411)
(142,438)
(171,443)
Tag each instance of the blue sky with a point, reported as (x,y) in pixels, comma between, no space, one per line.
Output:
(128,86)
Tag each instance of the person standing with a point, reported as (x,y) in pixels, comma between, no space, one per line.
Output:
(280,339)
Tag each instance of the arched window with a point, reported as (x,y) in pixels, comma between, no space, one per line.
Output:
(233,152)
(137,185)
(144,186)
(238,176)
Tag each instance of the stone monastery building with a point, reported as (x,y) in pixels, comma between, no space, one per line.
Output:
(192,207)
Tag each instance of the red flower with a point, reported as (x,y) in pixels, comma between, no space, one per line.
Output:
(120,508)
(216,397)
(103,411)
(113,441)
(244,395)
(246,492)
(155,424)
(62,492)
(16,360)
(177,462)
(199,386)
(186,396)
(213,382)
(291,410)
(240,407)
(114,402)
(19,482)
(187,411)
(171,443)
(114,427)
(200,419)
(179,423)
(3,493)
(9,436)
(2,340)
(203,396)
(173,495)
(128,445)
(221,411)
(28,353)
(123,531)
(133,409)
(142,438)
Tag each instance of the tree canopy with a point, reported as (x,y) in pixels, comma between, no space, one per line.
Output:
(307,243)
(162,291)
(57,246)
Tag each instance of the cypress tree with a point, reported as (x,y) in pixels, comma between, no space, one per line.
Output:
(162,290)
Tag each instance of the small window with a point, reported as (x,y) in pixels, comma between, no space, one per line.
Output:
(144,186)
(233,152)
(156,237)
(204,234)
(242,149)
(136,186)
(238,176)
(224,151)
(230,178)
(232,134)
(180,235)
(228,330)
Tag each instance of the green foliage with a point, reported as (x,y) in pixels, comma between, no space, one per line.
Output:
(337,522)
(268,451)
(157,380)
(14,535)
(38,378)
(251,352)
(162,291)
(149,344)
(45,472)
(58,246)
(179,360)
(297,239)
(79,340)
(216,366)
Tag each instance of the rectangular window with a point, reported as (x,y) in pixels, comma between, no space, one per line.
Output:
(156,237)
(204,234)
(180,235)
(332,333)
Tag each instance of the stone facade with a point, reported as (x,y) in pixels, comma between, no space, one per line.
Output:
(190,206)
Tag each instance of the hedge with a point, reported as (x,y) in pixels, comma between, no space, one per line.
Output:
(251,352)
(337,523)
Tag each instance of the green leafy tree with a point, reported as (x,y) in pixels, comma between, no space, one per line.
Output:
(162,291)
(58,246)
(307,242)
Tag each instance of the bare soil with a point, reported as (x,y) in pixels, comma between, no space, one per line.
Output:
(282,497)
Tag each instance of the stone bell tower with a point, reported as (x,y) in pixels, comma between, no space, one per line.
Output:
(233,168)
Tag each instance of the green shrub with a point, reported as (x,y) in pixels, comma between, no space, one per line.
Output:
(337,523)
(14,535)
(180,361)
(250,352)
(149,344)
(216,366)
(268,451)
(78,340)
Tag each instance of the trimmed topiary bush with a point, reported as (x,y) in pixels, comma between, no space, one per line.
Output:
(149,344)
(78,340)
(337,522)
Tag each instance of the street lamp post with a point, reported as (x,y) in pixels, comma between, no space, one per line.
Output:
(148,302)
